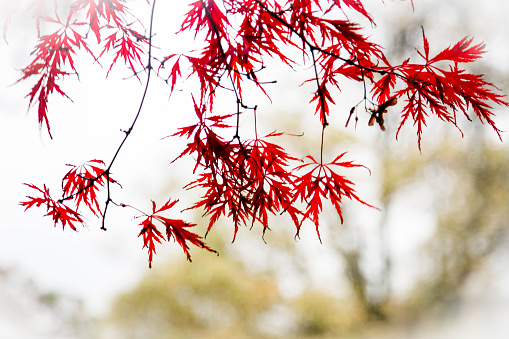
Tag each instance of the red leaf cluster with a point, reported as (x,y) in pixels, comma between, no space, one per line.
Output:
(427,88)
(83,182)
(247,185)
(322,182)
(250,180)
(54,54)
(80,185)
(244,177)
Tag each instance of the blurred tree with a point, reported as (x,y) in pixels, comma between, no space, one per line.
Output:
(188,301)
(223,299)
(471,213)
(28,311)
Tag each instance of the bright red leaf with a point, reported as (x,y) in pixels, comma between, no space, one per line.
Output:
(322,182)
(56,209)
(173,228)
(83,182)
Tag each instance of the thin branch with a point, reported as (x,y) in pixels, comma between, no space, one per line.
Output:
(107,171)
(229,70)
(319,91)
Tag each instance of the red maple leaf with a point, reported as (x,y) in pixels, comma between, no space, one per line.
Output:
(252,184)
(53,52)
(443,91)
(174,228)
(83,182)
(56,209)
(322,182)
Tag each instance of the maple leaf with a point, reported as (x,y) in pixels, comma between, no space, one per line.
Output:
(269,179)
(52,53)
(428,88)
(110,11)
(323,97)
(204,14)
(174,229)
(357,6)
(383,88)
(57,210)
(208,147)
(126,48)
(175,71)
(322,182)
(150,235)
(83,182)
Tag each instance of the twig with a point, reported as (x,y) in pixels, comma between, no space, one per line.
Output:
(107,171)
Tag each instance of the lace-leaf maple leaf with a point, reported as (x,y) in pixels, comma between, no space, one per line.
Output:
(53,52)
(83,182)
(174,228)
(56,209)
(428,88)
(355,5)
(320,182)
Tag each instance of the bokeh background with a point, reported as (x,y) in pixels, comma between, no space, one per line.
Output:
(431,263)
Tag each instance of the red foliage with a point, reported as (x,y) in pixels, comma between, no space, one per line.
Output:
(54,54)
(174,228)
(248,179)
(83,182)
(322,182)
(80,184)
(247,183)
(57,210)
(443,92)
